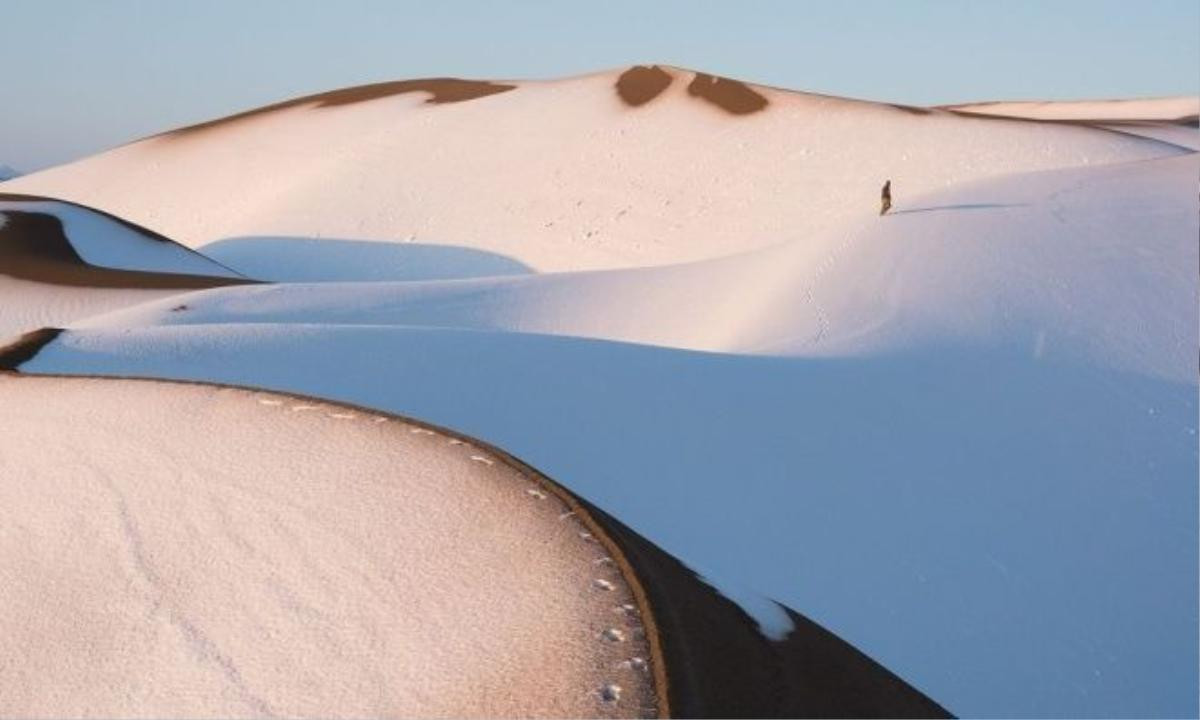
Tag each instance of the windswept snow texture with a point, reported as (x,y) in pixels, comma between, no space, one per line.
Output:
(291,559)
(961,436)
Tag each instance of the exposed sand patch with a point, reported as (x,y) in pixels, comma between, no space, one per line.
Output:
(640,84)
(441,90)
(193,551)
(732,96)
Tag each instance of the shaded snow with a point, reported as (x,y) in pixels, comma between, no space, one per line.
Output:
(104,242)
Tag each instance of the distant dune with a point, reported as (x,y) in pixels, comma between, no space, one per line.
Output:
(650,165)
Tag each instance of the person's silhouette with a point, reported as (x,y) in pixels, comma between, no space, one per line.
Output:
(885,198)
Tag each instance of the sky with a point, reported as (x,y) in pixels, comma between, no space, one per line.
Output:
(81,76)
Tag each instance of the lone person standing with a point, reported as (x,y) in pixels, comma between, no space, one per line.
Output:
(885,198)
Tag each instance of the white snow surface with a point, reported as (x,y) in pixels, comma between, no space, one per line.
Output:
(26,305)
(1146,109)
(962,436)
(560,175)
(969,266)
(192,551)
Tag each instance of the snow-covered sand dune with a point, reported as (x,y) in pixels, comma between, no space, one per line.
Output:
(302,558)
(1171,119)
(963,267)
(296,559)
(562,175)
(50,249)
(961,436)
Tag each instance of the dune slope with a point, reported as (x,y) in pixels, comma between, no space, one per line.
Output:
(563,175)
(60,261)
(961,436)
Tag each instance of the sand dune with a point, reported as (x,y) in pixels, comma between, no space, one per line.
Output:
(960,436)
(446,578)
(357,565)
(565,175)
(60,262)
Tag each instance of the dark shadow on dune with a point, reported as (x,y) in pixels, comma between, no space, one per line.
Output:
(913,109)
(718,664)
(25,348)
(640,84)
(302,259)
(441,90)
(976,206)
(33,246)
(731,96)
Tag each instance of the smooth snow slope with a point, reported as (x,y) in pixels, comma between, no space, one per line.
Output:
(26,305)
(560,175)
(1170,119)
(1165,109)
(977,460)
(962,436)
(961,516)
(1087,265)
(237,554)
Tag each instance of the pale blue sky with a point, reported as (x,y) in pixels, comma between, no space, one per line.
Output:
(85,75)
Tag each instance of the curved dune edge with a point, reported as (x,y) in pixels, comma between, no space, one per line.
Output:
(34,246)
(441,90)
(25,347)
(641,625)
(707,656)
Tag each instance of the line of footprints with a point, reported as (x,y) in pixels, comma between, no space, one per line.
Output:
(610,692)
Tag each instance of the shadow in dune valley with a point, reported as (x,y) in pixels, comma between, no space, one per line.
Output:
(303,259)
(977,206)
